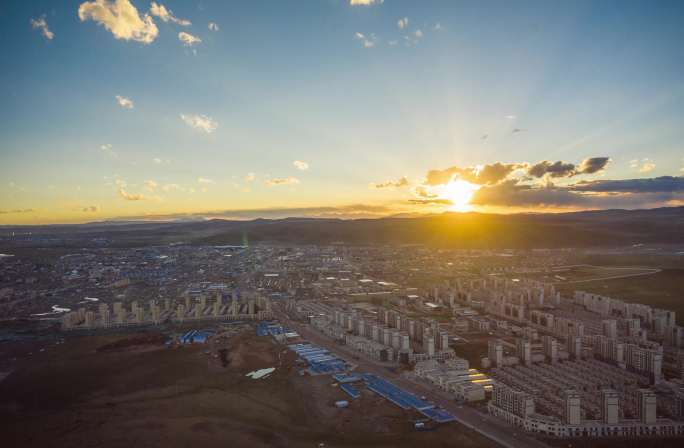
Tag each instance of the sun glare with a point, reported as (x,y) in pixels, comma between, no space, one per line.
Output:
(460,192)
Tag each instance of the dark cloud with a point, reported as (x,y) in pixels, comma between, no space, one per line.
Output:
(553,169)
(484,175)
(592,165)
(401,182)
(599,194)
(441,177)
(495,173)
(664,184)
(512,194)
(535,189)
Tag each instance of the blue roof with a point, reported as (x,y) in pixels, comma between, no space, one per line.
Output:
(351,390)
(404,399)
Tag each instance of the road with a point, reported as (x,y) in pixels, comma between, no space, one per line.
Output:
(644,271)
(490,427)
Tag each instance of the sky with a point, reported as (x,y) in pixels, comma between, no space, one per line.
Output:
(187,109)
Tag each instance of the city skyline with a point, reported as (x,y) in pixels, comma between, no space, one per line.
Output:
(162,110)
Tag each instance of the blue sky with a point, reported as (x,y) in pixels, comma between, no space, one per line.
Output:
(341,87)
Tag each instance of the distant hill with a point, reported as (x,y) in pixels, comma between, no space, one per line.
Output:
(458,230)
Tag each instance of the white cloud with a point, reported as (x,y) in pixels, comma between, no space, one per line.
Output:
(150,185)
(130,196)
(368,42)
(41,24)
(213,26)
(200,122)
(282,181)
(643,165)
(250,177)
(300,165)
(204,180)
(403,23)
(121,18)
(171,187)
(124,102)
(166,15)
(107,149)
(418,34)
(437,27)
(647,167)
(188,39)
(511,117)
(365,2)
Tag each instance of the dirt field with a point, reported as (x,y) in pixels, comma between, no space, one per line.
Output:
(132,391)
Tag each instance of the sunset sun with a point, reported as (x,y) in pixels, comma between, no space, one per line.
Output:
(460,192)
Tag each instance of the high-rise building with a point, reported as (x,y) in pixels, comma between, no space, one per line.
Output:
(376,333)
(89,319)
(443,341)
(386,336)
(572,411)
(610,406)
(405,342)
(609,349)
(361,327)
(609,327)
(513,401)
(429,345)
(495,352)
(525,351)
(155,312)
(396,340)
(574,346)
(646,406)
(645,360)
(550,345)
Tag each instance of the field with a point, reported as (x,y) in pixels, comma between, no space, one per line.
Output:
(664,289)
(582,273)
(130,390)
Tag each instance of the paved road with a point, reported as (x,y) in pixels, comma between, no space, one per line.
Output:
(490,427)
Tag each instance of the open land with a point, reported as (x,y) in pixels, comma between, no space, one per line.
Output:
(132,390)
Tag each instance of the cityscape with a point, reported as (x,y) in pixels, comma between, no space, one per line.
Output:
(342,223)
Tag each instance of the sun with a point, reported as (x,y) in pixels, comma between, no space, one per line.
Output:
(459,192)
